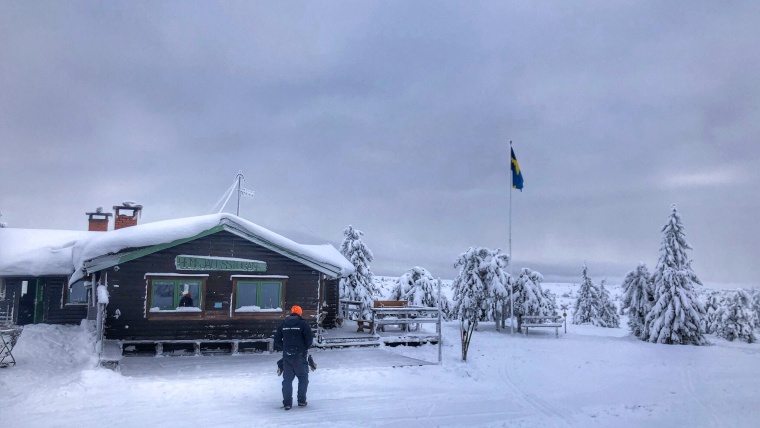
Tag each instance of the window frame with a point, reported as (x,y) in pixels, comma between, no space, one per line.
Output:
(67,298)
(176,278)
(282,280)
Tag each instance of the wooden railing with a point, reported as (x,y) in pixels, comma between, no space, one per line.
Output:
(405,317)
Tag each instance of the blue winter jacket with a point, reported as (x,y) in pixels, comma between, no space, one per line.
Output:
(294,335)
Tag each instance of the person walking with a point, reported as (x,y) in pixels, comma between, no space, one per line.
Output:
(295,336)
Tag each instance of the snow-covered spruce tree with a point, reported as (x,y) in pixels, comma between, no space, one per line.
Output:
(677,315)
(608,316)
(736,319)
(550,303)
(529,297)
(445,304)
(417,287)
(714,301)
(756,306)
(479,286)
(637,298)
(586,307)
(358,286)
(2,225)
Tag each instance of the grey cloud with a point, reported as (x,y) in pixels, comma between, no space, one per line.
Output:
(395,117)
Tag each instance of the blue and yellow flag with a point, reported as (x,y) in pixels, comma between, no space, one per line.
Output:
(517,178)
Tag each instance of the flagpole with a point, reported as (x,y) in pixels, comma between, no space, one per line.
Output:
(511,259)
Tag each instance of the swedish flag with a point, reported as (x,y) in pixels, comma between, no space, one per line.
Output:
(517,178)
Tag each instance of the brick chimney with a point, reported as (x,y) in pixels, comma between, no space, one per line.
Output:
(130,212)
(98,221)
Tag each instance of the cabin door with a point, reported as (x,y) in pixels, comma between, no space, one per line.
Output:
(31,306)
(39,302)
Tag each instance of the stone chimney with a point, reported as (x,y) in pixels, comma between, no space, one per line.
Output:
(98,221)
(126,215)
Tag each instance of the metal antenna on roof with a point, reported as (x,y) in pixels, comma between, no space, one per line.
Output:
(250,193)
(242,191)
(228,194)
(239,178)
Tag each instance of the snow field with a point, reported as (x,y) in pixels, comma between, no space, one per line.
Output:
(590,376)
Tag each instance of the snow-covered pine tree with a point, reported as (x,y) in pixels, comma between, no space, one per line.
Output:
(494,270)
(736,319)
(756,306)
(445,304)
(417,287)
(528,296)
(637,298)
(586,307)
(713,302)
(2,225)
(608,316)
(549,302)
(358,286)
(677,315)
(478,287)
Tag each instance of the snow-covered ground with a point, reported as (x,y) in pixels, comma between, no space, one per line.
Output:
(588,377)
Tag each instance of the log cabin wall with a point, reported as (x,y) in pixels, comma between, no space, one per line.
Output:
(128,317)
(49,308)
(56,311)
(331,298)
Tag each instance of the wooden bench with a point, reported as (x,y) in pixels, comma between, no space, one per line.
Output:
(550,321)
(391,304)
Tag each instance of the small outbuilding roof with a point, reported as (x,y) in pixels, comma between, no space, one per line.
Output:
(38,252)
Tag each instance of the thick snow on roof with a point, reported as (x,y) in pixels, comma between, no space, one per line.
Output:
(84,246)
(38,252)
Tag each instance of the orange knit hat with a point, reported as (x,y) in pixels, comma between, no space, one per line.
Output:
(296,310)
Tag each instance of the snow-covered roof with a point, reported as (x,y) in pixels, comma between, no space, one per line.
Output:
(38,252)
(51,252)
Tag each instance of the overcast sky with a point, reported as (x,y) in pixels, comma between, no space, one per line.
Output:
(396,117)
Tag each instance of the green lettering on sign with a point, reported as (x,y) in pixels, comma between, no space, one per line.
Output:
(218,263)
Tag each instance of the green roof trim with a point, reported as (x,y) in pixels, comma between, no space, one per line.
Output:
(108,262)
(322,267)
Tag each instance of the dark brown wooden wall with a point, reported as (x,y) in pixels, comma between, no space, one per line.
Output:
(54,311)
(127,288)
(332,292)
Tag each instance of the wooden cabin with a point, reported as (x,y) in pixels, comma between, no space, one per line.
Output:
(240,280)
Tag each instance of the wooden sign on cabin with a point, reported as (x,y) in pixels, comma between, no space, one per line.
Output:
(187,262)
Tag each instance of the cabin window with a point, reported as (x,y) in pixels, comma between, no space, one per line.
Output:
(77,294)
(175,294)
(263,295)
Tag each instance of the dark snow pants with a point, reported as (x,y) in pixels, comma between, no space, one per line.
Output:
(294,366)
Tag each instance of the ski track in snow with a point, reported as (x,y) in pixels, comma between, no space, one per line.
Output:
(687,382)
(556,415)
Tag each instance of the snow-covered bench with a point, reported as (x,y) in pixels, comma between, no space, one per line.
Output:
(390,304)
(552,321)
